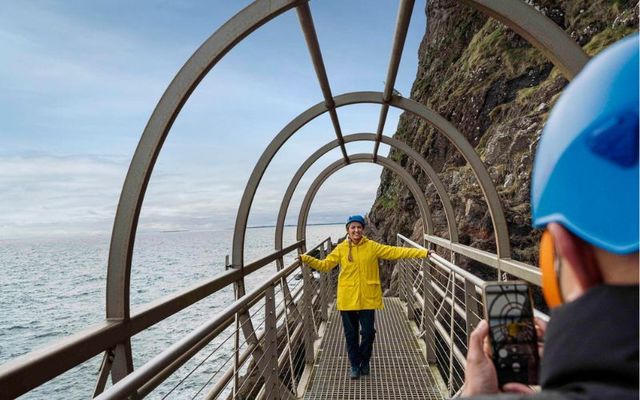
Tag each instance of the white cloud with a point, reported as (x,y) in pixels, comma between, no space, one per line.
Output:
(72,86)
(43,194)
(46,195)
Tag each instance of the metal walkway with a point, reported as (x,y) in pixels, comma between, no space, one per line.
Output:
(398,368)
(269,331)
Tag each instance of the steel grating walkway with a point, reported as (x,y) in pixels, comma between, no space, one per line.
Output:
(398,369)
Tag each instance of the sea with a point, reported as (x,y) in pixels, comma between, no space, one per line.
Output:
(52,288)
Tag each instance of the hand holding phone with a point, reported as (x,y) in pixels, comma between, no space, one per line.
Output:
(512,332)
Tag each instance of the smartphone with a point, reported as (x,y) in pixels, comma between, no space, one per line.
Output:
(509,311)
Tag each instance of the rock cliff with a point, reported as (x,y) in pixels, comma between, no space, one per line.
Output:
(497,90)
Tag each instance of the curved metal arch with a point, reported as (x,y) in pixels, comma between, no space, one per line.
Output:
(178,92)
(442,194)
(157,129)
(362,158)
(501,230)
(538,30)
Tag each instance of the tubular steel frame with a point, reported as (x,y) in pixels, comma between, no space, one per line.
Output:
(457,313)
(402,26)
(360,158)
(113,335)
(421,111)
(442,194)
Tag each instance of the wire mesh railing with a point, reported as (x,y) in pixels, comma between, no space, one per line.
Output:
(267,340)
(257,347)
(445,301)
(262,344)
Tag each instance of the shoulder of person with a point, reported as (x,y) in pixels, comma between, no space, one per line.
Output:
(370,241)
(342,244)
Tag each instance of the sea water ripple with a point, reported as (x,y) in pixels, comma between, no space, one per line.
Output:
(52,288)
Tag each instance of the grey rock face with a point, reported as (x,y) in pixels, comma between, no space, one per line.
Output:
(497,90)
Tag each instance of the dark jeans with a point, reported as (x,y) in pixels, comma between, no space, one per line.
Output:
(359,350)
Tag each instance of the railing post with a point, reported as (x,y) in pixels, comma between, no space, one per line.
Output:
(122,363)
(294,383)
(408,287)
(288,305)
(270,363)
(404,290)
(451,332)
(401,283)
(245,319)
(103,374)
(307,315)
(471,307)
(332,277)
(236,356)
(324,291)
(428,312)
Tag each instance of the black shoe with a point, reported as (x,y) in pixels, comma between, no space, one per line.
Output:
(364,369)
(355,373)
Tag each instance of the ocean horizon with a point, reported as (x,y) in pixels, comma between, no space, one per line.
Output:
(54,287)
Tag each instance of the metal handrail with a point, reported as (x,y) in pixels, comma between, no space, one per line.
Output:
(158,379)
(463,306)
(135,380)
(222,382)
(516,268)
(146,378)
(37,367)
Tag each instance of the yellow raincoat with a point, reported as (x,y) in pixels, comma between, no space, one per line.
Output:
(359,280)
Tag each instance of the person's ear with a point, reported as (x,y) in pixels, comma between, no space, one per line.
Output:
(578,257)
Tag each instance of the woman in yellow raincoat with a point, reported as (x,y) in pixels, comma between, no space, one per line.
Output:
(359,291)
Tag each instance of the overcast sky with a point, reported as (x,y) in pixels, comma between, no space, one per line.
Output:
(79,80)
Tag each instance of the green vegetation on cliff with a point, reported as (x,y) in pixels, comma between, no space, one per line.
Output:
(497,90)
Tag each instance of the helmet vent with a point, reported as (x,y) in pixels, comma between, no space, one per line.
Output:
(615,139)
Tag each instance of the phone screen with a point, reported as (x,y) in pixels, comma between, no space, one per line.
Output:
(512,332)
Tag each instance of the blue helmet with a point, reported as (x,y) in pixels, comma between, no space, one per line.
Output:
(585,174)
(355,218)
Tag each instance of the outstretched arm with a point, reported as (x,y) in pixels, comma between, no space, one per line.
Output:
(322,265)
(394,252)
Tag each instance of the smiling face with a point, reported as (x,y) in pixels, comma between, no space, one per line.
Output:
(355,232)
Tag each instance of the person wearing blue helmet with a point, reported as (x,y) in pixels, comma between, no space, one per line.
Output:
(359,289)
(585,196)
